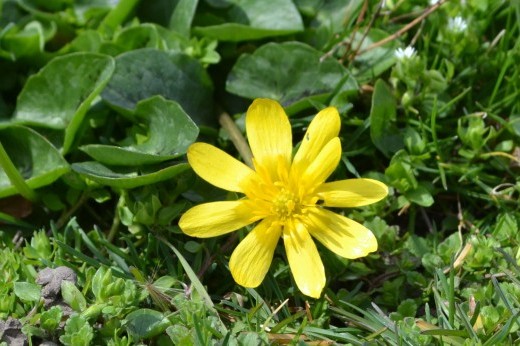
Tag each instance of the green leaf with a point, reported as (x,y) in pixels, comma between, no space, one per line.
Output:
(252,20)
(400,172)
(290,72)
(407,307)
(61,93)
(72,296)
(182,16)
(26,42)
(86,41)
(78,332)
(385,135)
(102,278)
(147,35)
(27,291)
(329,19)
(50,319)
(124,177)
(34,157)
(147,72)
(170,132)
(146,323)
(420,195)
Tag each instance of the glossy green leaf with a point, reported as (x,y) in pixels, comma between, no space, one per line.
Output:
(146,323)
(170,133)
(61,93)
(252,19)
(385,135)
(148,35)
(35,158)
(27,291)
(126,178)
(86,41)
(143,73)
(291,73)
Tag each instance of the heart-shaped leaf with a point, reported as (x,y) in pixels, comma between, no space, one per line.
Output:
(143,73)
(251,20)
(35,158)
(124,177)
(61,93)
(170,132)
(291,73)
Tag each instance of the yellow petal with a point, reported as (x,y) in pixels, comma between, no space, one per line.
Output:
(304,259)
(252,258)
(216,218)
(322,129)
(352,192)
(324,164)
(217,167)
(341,235)
(269,134)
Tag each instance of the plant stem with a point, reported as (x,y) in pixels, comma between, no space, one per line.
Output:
(237,138)
(15,177)
(404,29)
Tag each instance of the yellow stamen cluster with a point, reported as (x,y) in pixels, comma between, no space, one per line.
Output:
(285,204)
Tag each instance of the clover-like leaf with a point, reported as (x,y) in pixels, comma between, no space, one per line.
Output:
(147,72)
(291,73)
(36,159)
(61,93)
(252,19)
(170,132)
(124,177)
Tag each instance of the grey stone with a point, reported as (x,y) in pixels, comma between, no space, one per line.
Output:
(11,333)
(51,280)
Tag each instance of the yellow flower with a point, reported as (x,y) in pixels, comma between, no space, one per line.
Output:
(287,194)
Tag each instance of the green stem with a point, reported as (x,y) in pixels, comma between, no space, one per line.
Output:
(117,16)
(14,176)
(114,229)
(237,138)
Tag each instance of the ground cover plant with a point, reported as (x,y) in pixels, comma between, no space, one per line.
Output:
(104,236)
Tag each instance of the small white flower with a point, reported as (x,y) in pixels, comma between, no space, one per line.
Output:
(432,2)
(457,24)
(404,54)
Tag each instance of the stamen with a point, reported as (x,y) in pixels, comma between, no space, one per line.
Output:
(285,204)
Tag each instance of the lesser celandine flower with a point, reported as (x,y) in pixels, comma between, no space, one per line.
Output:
(286,194)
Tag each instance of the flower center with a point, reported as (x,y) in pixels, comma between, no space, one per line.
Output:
(285,204)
